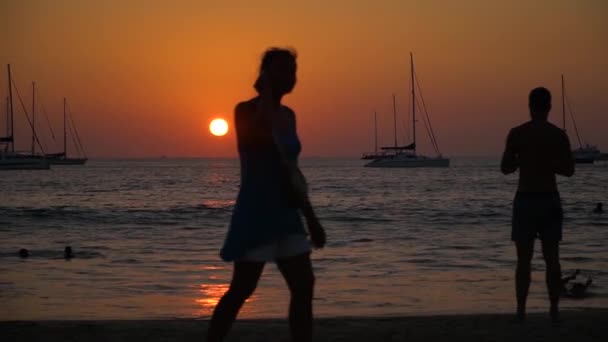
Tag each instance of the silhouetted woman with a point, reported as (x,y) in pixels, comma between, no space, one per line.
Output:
(266,223)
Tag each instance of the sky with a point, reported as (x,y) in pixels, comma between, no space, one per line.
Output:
(145,78)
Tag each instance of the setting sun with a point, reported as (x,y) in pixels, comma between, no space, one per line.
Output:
(218,127)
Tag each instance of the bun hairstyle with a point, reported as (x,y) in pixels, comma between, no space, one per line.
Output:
(270,55)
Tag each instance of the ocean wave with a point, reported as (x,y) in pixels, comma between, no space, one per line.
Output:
(52,254)
(79,216)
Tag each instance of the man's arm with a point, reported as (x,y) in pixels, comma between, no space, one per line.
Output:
(565,161)
(510,157)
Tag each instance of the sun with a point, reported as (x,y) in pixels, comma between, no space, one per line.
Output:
(218,127)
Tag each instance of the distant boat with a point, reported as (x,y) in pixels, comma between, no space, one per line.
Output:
(62,158)
(584,154)
(406,156)
(9,159)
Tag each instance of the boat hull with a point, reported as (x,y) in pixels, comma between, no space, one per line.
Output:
(69,161)
(409,162)
(586,155)
(24,164)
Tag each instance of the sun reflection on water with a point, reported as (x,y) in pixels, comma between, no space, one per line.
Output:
(210,295)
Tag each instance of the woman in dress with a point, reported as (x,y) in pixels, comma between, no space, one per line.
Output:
(266,224)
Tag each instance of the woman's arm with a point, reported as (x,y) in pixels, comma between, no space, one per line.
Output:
(270,109)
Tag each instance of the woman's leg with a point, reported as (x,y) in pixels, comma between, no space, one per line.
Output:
(244,281)
(299,276)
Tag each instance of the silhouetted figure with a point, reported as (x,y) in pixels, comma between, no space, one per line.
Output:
(24,253)
(67,253)
(540,150)
(599,208)
(266,223)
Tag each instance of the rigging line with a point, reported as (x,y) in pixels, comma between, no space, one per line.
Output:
(76,131)
(408,129)
(426,125)
(80,145)
(578,137)
(27,116)
(48,121)
(425,119)
(42,109)
(70,130)
(426,113)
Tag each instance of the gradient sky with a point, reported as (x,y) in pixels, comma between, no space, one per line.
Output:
(144,78)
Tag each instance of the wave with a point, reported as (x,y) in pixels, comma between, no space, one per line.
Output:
(113,215)
(52,254)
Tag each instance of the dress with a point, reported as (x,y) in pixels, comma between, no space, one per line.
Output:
(262,214)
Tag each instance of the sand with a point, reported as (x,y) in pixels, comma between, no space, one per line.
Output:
(582,325)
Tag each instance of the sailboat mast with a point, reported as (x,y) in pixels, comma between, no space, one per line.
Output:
(413,100)
(8,121)
(375,133)
(10,96)
(563,106)
(33,118)
(395,119)
(65,145)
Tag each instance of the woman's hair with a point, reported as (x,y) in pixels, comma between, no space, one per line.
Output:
(270,55)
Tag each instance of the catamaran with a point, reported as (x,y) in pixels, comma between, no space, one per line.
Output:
(406,156)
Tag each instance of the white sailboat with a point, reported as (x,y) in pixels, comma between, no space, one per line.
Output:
(585,153)
(406,156)
(9,159)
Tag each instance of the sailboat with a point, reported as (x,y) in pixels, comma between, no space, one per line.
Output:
(62,158)
(406,156)
(375,154)
(9,159)
(584,154)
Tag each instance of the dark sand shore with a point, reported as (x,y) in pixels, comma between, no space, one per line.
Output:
(584,325)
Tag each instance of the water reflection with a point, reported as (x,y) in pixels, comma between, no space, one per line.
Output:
(218,203)
(210,295)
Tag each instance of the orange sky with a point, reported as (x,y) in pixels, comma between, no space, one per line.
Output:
(144,78)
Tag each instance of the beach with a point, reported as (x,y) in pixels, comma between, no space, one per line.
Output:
(583,325)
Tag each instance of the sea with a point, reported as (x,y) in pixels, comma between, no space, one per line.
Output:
(146,236)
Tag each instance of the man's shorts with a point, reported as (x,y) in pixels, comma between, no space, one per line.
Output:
(537,215)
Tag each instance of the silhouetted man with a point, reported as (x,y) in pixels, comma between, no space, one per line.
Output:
(540,150)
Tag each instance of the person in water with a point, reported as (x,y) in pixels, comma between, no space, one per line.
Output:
(266,223)
(540,150)
(24,253)
(67,253)
(599,208)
